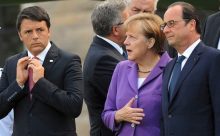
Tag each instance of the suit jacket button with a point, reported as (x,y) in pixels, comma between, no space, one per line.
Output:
(132,125)
(170,116)
(136,97)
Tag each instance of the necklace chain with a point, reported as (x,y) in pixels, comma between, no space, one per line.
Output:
(144,71)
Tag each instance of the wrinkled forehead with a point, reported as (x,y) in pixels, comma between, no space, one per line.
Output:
(144,5)
(173,13)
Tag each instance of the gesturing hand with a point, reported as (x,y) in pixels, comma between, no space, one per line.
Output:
(129,114)
(38,69)
(21,70)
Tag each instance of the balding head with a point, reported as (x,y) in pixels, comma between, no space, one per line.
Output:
(137,6)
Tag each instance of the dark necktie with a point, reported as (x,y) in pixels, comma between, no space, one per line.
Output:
(125,55)
(30,78)
(175,74)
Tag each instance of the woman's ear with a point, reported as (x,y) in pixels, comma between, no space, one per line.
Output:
(151,42)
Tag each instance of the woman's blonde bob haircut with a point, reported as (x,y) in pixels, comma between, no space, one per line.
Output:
(150,26)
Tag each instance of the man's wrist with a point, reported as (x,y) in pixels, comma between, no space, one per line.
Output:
(20,85)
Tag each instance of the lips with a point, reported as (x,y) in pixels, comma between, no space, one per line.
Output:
(35,44)
(128,51)
(168,37)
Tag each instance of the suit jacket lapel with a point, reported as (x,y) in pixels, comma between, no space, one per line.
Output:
(50,59)
(132,75)
(191,62)
(158,69)
(166,79)
(100,42)
(216,40)
(48,63)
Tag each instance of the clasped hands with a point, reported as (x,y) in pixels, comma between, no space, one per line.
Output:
(129,114)
(22,70)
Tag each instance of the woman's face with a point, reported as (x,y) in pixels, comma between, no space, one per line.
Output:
(137,45)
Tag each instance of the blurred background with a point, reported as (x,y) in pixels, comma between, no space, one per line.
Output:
(71,29)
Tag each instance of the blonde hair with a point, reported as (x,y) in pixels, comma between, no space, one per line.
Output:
(150,26)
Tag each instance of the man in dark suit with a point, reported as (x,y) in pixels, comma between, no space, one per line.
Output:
(104,53)
(211,34)
(190,94)
(51,106)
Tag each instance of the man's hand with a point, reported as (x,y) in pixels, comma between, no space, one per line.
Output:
(133,115)
(22,72)
(38,69)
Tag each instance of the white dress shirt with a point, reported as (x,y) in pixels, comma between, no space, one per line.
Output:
(219,43)
(6,124)
(42,55)
(115,45)
(188,52)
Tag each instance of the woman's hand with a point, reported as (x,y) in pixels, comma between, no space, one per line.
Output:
(129,114)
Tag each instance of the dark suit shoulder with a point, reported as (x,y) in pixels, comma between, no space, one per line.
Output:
(12,60)
(17,56)
(214,16)
(66,54)
(63,55)
(209,50)
(101,52)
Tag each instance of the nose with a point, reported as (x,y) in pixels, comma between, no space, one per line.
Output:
(126,42)
(166,29)
(35,35)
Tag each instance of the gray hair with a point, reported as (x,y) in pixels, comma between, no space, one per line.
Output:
(128,2)
(106,15)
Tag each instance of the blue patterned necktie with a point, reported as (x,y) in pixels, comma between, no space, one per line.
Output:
(175,74)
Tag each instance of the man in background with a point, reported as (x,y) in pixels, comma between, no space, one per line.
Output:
(43,83)
(211,34)
(141,6)
(103,55)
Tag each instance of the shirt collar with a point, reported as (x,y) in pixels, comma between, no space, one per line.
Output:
(42,55)
(190,49)
(115,45)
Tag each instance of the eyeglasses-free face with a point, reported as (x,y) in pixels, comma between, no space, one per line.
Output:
(171,23)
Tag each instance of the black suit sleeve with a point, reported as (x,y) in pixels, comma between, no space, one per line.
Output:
(10,93)
(69,99)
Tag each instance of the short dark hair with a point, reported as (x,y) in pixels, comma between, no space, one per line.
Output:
(189,12)
(34,13)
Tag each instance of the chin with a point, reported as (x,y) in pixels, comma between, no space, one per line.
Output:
(130,58)
(170,43)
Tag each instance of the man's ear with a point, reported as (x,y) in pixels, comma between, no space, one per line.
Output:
(192,24)
(115,30)
(19,34)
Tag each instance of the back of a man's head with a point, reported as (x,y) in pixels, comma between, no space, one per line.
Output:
(106,15)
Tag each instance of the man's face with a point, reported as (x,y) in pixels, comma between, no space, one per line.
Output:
(138,6)
(34,35)
(176,30)
(120,28)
